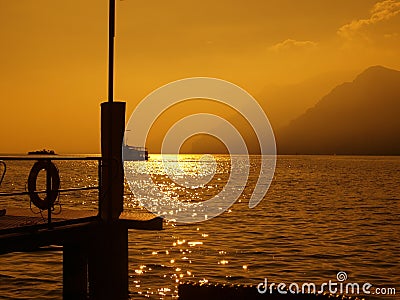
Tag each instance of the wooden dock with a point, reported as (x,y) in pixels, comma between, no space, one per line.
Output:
(95,253)
(94,243)
(23,230)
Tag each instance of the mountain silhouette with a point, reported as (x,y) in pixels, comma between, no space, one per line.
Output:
(283,103)
(361,117)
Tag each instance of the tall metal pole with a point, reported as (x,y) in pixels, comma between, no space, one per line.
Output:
(108,246)
(112,133)
(111,37)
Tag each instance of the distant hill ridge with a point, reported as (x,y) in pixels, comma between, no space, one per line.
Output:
(359,117)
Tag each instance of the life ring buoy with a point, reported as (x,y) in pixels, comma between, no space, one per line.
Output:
(52,194)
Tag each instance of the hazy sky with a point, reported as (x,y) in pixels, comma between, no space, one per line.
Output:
(53,54)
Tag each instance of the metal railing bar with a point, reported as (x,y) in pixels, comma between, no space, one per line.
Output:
(43,192)
(50,157)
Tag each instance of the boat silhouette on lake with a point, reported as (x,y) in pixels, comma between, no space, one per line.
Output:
(42,152)
(132,153)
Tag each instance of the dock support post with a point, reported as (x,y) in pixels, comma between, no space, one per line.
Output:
(112,173)
(75,272)
(108,263)
(108,250)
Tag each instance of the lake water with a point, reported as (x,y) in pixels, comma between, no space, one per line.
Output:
(322,215)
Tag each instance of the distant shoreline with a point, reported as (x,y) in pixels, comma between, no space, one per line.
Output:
(278,154)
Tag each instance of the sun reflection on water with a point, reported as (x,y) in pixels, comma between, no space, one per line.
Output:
(320,214)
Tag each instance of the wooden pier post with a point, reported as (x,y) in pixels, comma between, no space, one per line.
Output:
(108,263)
(112,171)
(75,271)
(108,251)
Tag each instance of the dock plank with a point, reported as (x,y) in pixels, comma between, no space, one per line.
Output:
(16,218)
(25,219)
(23,230)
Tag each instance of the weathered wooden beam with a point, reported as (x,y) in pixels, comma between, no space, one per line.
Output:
(108,263)
(75,271)
(32,240)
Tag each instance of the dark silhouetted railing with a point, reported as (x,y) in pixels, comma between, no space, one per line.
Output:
(44,162)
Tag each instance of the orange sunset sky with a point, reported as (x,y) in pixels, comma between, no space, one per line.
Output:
(53,56)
